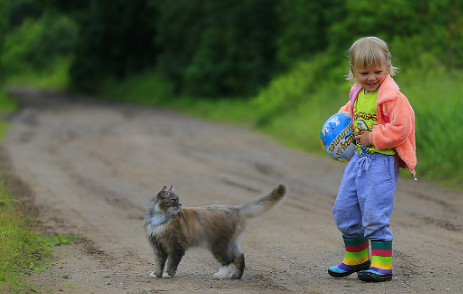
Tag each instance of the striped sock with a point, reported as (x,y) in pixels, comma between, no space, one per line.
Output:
(381,259)
(356,256)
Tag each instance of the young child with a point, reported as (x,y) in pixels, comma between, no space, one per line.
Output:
(384,123)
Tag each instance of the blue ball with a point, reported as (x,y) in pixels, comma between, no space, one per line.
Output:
(337,137)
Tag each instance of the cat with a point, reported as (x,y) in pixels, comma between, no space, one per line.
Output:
(172,229)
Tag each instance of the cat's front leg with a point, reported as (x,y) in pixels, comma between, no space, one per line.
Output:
(172,263)
(160,258)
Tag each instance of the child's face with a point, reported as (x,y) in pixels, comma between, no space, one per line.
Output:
(370,78)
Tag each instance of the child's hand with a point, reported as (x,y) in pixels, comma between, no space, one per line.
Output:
(363,138)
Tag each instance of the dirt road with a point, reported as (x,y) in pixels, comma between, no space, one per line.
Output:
(90,168)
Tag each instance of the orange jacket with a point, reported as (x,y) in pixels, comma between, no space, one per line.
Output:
(396,122)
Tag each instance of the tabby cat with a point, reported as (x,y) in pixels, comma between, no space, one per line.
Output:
(172,229)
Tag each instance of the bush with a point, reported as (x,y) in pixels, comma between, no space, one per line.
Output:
(116,39)
(35,44)
(215,49)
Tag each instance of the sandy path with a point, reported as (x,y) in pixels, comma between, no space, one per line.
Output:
(90,168)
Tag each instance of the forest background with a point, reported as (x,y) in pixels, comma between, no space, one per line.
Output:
(277,65)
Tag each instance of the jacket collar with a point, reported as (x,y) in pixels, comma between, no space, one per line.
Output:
(388,90)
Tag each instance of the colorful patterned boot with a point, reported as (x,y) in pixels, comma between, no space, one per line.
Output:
(356,258)
(381,265)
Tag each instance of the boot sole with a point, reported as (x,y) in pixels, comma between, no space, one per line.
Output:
(372,277)
(348,273)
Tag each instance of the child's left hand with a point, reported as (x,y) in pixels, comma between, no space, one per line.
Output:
(363,138)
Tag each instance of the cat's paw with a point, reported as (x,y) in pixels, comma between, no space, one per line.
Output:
(166,275)
(225,272)
(153,275)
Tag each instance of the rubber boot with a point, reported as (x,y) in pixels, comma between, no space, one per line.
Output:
(355,259)
(380,269)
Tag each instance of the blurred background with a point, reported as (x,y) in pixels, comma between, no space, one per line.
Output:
(276,65)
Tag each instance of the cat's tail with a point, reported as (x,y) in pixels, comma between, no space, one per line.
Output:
(263,204)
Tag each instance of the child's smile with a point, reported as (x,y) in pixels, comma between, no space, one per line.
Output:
(371,78)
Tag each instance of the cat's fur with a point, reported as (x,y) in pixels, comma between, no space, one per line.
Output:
(172,229)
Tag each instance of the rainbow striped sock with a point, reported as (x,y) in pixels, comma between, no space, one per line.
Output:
(355,259)
(381,259)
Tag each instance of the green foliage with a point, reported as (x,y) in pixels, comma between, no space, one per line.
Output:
(19,252)
(55,76)
(22,250)
(286,93)
(21,10)
(34,45)
(179,25)
(116,38)
(303,28)
(233,48)
(152,88)
(294,106)
(148,88)
(229,49)
(437,103)
(7,104)
(217,48)
(411,27)
(4,21)
(236,50)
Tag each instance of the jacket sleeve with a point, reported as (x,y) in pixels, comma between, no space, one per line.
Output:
(395,125)
(345,108)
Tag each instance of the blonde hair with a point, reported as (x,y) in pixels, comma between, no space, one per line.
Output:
(369,52)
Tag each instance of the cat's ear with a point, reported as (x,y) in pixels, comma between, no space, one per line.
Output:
(171,188)
(163,190)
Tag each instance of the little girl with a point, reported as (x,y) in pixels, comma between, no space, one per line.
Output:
(384,123)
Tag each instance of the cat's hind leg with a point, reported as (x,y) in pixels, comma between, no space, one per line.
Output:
(225,272)
(232,263)
(238,262)
(223,256)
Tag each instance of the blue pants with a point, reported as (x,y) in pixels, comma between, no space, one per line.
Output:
(365,199)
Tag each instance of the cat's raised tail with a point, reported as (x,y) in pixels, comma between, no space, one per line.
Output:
(263,204)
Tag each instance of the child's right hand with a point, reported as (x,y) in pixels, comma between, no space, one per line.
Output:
(363,138)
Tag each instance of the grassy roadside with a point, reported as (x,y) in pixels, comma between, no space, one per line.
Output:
(293,107)
(23,250)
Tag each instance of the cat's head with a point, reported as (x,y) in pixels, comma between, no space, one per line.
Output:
(165,202)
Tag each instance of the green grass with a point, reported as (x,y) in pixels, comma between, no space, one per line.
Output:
(293,107)
(436,98)
(23,250)
(54,77)
(150,88)
(7,104)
